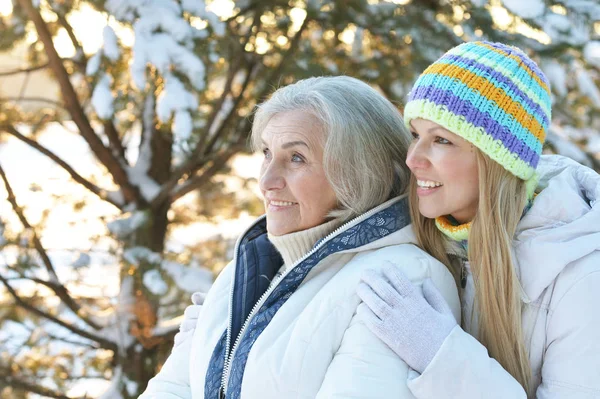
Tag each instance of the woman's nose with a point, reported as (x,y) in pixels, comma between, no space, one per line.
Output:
(416,157)
(271,177)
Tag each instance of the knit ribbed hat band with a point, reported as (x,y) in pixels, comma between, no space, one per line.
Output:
(493,96)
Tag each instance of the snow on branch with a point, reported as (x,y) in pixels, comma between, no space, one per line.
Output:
(557,75)
(93,64)
(176,99)
(564,28)
(591,53)
(102,98)
(222,115)
(192,278)
(127,224)
(138,174)
(111,44)
(113,391)
(586,84)
(137,255)
(525,9)
(164,38)
(83,260)
(116,322)
(148,187)
(556,138)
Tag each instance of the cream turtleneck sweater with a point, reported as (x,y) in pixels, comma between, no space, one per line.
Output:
(294,246)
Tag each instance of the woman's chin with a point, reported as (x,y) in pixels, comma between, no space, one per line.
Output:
(429,213)
(276,232)
(276,229)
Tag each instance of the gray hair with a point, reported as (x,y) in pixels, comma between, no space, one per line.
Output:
(366,140)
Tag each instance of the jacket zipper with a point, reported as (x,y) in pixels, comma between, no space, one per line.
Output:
(228,339)
(229,355)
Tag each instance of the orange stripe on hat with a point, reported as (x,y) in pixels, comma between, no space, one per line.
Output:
(491,92)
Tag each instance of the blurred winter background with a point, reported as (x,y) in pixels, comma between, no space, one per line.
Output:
(125,175)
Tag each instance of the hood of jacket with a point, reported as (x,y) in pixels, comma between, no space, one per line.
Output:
(562,226)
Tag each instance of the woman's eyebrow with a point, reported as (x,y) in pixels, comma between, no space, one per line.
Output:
(437,128)
(293,144)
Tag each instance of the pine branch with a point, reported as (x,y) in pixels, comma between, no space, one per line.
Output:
(35,99)
(194,162)
(23,70)
(72,104)
(8,380)
(198,181)
(114,140)
(234,68)
(273,76)
(53,286)
(104,343)
(37,244)
(72,342)
(71,33)
(109,127)
(219,133)
(59,289)
(10,129)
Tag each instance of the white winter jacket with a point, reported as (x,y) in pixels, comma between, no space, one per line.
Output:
(309,340)
(557,253)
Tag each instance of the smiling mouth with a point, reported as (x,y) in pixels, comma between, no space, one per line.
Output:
(428,184)
(281,203)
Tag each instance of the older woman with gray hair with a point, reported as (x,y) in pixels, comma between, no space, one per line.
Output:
(283,320)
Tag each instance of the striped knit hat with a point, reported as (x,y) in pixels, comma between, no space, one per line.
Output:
(492,95)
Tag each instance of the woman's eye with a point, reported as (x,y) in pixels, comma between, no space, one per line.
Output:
(441,140)
(297,158)
(415,136)
(266,153)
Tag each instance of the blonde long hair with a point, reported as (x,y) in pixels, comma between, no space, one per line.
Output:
(502,198)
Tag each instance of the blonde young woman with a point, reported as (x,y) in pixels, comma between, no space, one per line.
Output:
(520,232)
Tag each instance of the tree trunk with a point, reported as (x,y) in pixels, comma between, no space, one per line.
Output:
(141,361)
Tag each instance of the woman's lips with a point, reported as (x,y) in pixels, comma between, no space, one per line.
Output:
(425,191)
(280,205)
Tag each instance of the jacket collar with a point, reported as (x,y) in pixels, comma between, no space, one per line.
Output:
(375,224)
(365,231)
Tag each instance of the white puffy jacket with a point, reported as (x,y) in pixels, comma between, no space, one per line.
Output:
(315,344)
(557,253)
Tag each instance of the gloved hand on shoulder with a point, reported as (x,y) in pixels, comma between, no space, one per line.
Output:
(412,323)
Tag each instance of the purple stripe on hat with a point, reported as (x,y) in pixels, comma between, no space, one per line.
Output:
(526,60)
(502,79)
(479,119)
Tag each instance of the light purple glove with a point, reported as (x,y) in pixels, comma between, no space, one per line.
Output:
(190,318)
(412,324)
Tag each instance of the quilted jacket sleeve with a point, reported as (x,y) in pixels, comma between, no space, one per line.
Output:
(462,367)
(173,380)
(571,366)
(364,366)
